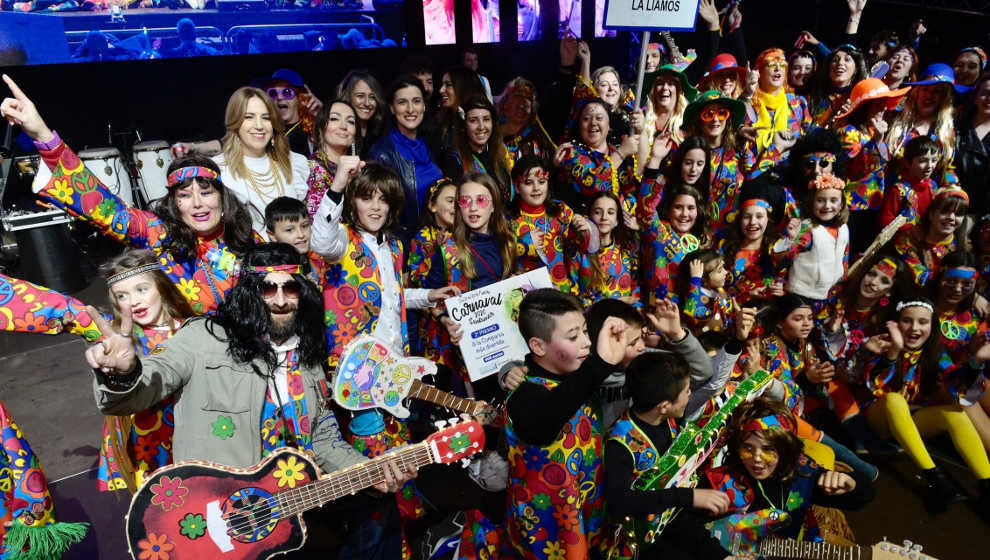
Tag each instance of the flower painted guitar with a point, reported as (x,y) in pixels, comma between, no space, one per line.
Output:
(195,510)
(372,375)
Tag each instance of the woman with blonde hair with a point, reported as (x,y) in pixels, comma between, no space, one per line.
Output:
(256,162)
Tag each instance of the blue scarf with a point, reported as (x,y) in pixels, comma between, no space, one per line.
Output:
(416,151)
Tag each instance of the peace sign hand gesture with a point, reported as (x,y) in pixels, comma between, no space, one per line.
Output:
(20,111)
(114,355)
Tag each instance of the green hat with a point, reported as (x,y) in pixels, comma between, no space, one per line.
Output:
(736,108)
(690,92)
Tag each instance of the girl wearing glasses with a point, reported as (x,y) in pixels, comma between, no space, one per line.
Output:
(256,162)
(199,230)
(480,251)
(772,483)
(733,160)
(776,109)
(134,445)
(546,229)
(918,392)
(942,230)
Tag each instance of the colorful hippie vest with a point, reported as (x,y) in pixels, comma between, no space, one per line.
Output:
(867,169)
(556,505)
(921,257)
(27,514)
(352,295)
(706,310)
(788,516)
(620,268)
(558,235)
(204,281)
(645,456)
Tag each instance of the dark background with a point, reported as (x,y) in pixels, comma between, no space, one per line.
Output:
(184,99)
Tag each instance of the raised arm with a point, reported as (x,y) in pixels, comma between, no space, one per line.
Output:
(30,308)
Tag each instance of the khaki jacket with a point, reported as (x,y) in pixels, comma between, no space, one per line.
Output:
(219,401)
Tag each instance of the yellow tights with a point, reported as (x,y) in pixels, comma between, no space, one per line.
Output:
(891,415)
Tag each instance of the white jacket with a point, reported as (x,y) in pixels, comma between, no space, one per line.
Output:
(818,268)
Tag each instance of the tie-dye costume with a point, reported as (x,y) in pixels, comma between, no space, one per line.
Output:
(663,247)
(588,172)
(789,515)
(559,237)
(620,268)
(555,492)
(704,309)
(921,257)
(868,159)
(26,504)
(203,281)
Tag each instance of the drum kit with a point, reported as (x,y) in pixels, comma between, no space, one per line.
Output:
(29,226)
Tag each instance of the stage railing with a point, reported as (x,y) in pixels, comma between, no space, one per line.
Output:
(297,29)
(75,38)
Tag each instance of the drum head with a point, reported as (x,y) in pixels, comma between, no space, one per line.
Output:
(99,153)
(150,146)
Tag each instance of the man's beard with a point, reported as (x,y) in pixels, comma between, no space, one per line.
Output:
(282,329)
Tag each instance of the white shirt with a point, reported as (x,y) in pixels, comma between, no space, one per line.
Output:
(257,199)
(330,240)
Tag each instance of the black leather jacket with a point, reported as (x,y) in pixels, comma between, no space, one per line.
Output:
(972,163)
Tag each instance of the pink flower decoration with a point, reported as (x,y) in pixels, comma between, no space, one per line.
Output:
(169,493)
(884,301)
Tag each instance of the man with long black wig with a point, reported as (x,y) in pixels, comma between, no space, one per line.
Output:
(247,381)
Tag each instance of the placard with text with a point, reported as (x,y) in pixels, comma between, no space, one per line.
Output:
(651,15)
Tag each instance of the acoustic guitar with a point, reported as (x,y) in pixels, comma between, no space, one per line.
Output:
(196,510)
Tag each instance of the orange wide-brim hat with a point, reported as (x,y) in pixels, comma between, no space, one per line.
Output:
(872,89)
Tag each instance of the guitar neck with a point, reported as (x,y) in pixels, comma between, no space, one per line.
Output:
(429,393)
(352,479)
(806,550)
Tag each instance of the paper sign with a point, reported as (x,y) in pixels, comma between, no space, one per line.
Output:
(488,318)
(651,15)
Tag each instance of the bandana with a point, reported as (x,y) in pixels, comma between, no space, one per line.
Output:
(819,156)
(183,173)
(887,266)
(952,191)
(290,268)
(770,422)
(963,273)
(757,202)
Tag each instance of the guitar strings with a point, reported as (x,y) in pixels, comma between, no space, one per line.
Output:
(416,453)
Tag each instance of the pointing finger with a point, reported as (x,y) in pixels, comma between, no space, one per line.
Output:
(18,93)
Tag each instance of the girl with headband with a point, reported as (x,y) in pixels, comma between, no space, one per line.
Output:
(771,481)
(438,222)
(142,295)
(546,229)
(912,399)
(612,272)
(969,64)
(940,232)
(256,163)
(756,257)
(197,231)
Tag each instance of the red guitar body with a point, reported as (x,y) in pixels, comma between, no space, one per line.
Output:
(180,510)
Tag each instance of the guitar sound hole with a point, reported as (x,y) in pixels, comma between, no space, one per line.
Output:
(252,514)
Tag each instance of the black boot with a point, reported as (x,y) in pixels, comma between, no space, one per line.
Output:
(942,490)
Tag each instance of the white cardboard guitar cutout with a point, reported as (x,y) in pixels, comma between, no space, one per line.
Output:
(370,374)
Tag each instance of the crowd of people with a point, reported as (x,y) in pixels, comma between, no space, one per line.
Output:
(816,215)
